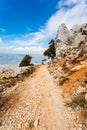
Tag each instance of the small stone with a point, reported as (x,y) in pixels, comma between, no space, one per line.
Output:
(36,123)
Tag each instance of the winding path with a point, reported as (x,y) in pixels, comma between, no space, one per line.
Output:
(37,98)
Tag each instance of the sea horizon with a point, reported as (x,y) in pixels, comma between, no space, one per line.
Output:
(9,60)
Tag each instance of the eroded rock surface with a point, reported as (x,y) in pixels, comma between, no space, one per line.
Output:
(71,42)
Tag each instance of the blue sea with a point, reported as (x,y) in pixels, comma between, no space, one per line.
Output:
(8,61)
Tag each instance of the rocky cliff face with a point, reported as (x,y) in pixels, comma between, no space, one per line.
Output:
(71,43)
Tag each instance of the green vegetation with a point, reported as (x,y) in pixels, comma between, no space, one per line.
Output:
(78,100)
(50,52)
(62,80)
(25,61)
(31,124)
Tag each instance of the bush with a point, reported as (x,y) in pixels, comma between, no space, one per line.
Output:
(25,61)
(31,124)
(78,100)
(50,52)
(62,80)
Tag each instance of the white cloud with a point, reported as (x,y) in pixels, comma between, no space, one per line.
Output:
(70,16)
(30,50)
(33,42)
(32,39)
(63,3)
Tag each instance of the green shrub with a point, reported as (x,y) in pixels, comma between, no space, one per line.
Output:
(78,100)
(63,79)
(25,61)
(50,52)
(31,124)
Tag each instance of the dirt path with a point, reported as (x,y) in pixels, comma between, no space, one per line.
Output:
(37,98)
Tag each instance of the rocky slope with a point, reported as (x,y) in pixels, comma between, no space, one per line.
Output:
(73,86)
(10,77)
(71,43)
(70,69)
(37,104)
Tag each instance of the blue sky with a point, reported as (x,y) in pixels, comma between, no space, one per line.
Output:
(26,26)
(24,16)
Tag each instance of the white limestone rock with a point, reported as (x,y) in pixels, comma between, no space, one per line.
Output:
(66,40)
(80,89)
(36,122)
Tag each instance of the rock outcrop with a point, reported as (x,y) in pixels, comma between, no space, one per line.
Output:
(71,43)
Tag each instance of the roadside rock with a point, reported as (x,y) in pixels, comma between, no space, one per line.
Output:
(36,122)
(13,72)
(77,68)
